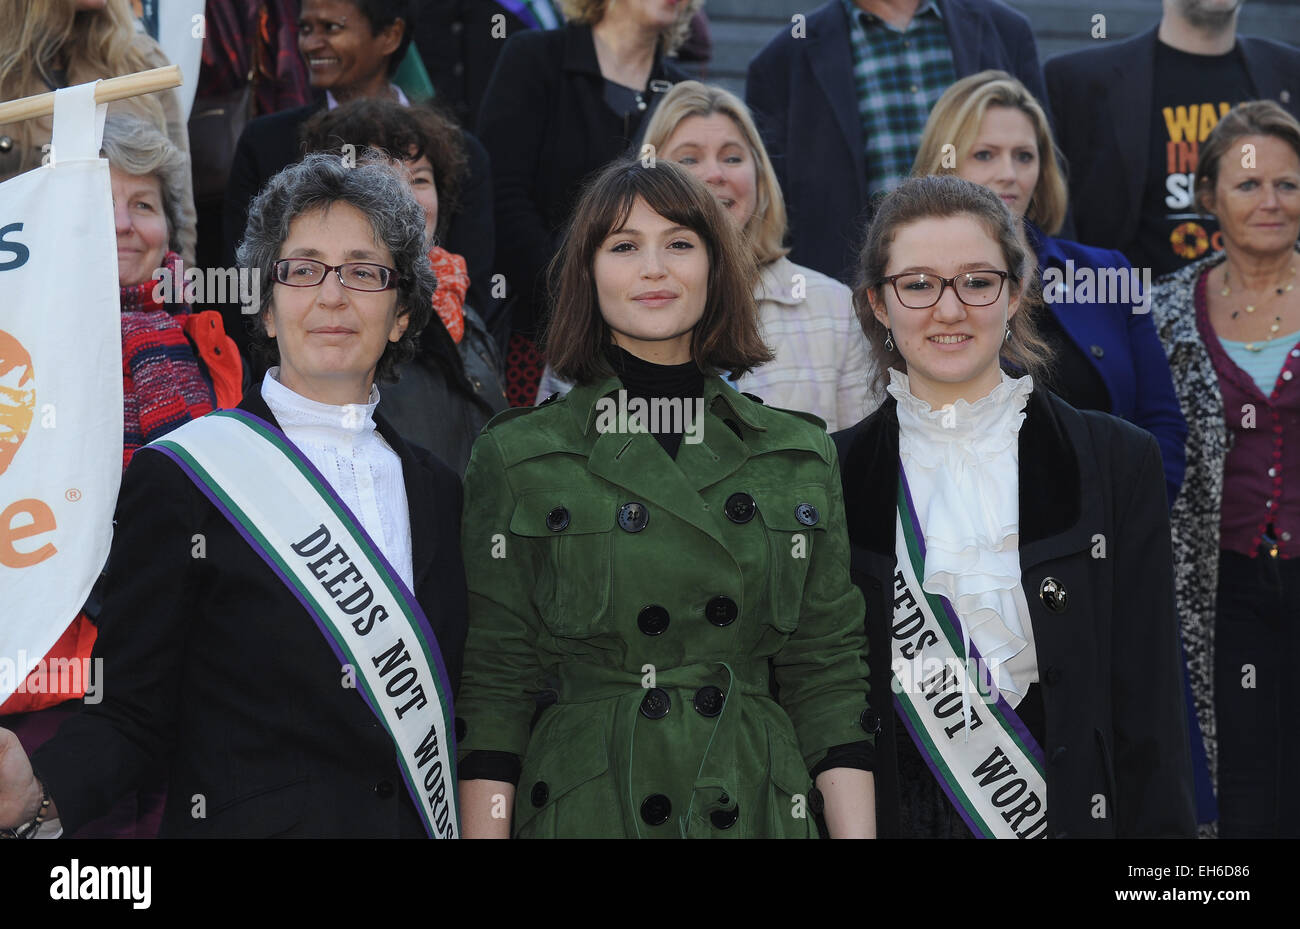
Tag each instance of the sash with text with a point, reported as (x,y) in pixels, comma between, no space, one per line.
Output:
(987,762)
(298,525)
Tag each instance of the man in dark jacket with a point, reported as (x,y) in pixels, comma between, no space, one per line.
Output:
(1137,112)
(841,100)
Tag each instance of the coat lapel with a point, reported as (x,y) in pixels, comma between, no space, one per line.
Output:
(426,509)
(964,39)
(1132,116)
(869,468)
(637,463)
(830,56)
(1051,491)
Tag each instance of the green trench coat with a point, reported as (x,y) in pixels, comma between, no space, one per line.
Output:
(657,626)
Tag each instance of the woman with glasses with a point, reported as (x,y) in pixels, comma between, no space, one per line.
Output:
(988,128)
(1014,553)
(285,609)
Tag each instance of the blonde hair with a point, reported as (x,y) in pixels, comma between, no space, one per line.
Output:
(765,229)
(590,12)
(956,118)
(35,37)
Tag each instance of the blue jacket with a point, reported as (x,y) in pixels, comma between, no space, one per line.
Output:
(804,98)
(1121,344)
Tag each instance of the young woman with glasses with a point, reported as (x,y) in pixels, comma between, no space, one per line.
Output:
(1014,553)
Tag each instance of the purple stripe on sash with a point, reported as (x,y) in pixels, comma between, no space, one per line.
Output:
(421,620)
(270,562)
(938,775)
(1003,707)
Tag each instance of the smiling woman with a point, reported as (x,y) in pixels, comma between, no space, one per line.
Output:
(968,492)
(709,554)
(303,508)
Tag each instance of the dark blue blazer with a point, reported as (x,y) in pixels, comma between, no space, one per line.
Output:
(1122,345)
(804,98)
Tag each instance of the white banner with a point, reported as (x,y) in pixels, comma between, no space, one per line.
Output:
(60,384)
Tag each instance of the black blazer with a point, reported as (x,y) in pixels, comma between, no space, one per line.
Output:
(546,126)
(1109,664)
(1106,139)
(269,144)
(804,98)
(210,662)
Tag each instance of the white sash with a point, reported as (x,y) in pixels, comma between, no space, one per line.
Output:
(297,524)
(976,746)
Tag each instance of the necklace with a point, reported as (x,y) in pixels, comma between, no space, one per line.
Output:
(1279,290)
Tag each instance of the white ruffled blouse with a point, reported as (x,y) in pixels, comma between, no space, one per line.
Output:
(962,466)
(363,469)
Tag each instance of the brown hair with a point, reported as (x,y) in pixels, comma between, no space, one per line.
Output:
(766,228)
(956,120)
(1258,117)
(938,196)
(590,12)
(726,337)
(403,133)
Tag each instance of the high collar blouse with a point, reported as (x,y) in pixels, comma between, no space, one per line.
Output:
(962,467)
(346,448)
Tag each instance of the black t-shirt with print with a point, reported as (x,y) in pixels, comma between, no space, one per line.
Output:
(1190,94)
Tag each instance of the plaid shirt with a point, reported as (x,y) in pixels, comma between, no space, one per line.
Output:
(899,77)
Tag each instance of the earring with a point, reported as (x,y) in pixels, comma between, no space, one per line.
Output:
(1007,337)
(889,340)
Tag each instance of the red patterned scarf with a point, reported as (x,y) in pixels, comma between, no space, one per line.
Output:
(162,384)
(449,298)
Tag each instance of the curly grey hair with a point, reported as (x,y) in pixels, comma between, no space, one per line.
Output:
(136,146)
(317,182)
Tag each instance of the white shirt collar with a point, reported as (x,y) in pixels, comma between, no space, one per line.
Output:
(293,409)
(991,418)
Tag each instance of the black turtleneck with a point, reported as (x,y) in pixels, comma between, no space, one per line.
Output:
(649,381)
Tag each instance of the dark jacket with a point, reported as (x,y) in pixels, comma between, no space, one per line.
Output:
(269,144)
(1121,344)
(1106,139)
(212,663)
(459,42)
(804,97)
(440,405)
(1109,663)
(546,126)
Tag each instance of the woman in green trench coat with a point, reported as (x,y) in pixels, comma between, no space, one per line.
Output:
(655,556)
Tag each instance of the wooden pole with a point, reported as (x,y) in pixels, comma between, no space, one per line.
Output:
(106,91)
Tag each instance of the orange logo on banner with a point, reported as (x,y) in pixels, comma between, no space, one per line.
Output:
(17,397)
(17,410)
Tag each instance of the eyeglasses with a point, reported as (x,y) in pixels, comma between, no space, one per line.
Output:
(354,275)
(918,291)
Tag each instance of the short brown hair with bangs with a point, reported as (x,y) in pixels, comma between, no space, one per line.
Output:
(725,339)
